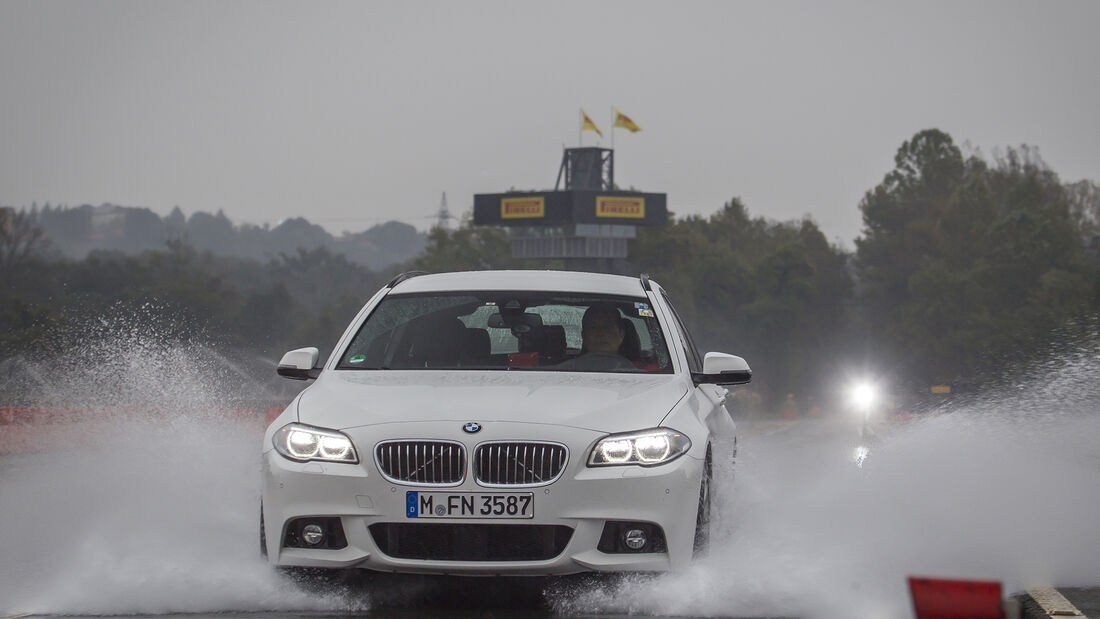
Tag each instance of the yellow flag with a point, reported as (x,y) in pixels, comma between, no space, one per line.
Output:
(622,120)
(588,125)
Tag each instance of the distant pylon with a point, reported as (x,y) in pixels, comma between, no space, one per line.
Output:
(443,217)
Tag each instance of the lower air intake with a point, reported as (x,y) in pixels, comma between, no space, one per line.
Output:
(471,542)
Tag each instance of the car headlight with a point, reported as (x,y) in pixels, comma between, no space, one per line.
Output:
(646,448)
(304,443)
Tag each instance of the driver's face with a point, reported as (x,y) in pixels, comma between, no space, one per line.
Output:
(602,333)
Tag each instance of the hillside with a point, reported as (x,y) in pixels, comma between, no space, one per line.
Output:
(77,231)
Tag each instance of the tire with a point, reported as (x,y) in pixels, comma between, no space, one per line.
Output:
(702,517)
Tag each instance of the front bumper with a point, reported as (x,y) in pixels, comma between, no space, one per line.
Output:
(583,499)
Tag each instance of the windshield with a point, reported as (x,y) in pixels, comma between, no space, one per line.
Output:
(510,330)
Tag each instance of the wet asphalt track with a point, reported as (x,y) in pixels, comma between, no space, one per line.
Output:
(435,596)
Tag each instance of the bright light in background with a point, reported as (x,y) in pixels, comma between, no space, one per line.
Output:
(863,395)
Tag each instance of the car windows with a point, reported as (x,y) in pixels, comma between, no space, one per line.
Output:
(507,330)
(501,339)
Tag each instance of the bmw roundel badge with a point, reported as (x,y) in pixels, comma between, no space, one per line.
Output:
(471,427)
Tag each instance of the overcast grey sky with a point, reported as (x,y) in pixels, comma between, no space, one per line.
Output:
(354,113)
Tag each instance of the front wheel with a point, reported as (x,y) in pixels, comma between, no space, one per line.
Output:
(702,518)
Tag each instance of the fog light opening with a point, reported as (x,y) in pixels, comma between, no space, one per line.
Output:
(313,534)
(635,539)
(628,536)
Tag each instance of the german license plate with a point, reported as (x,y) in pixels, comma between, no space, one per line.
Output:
(469,505)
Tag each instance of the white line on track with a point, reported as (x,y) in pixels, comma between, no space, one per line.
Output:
(1053,603)
(19,616)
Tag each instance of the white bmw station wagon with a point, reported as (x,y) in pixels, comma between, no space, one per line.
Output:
(501,422)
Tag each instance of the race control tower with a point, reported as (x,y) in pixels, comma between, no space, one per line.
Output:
(586,221)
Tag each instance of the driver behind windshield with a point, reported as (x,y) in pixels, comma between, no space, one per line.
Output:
(602,341)
(601,329)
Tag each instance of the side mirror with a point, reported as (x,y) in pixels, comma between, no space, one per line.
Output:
(298,364)
(722,369)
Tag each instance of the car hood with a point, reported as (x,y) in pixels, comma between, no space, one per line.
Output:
(602,402)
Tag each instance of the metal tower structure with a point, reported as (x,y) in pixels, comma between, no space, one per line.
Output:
(588,168)
(444,217)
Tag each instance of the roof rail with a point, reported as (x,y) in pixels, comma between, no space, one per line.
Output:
(645,282)
(406,275)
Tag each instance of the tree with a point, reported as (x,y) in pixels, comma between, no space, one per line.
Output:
(211,232)
(175,225)
(142,230)
(1084,207)
(775,293)
(467,248)
(963,264)
(297,233)
(68,228)
(900,217)
(20,237)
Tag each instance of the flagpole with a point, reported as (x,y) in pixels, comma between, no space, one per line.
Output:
(580,127)
(612,127)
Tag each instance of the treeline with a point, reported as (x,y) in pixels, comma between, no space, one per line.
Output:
(180,294)
(965,269)
(76,232)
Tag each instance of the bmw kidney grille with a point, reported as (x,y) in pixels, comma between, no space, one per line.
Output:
(519,464)
(432,463)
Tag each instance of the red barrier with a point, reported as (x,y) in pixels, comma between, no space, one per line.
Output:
(938,598)
(31,428)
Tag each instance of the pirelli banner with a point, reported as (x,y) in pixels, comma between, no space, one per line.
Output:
(620,207)
(523,207)
(556,208)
